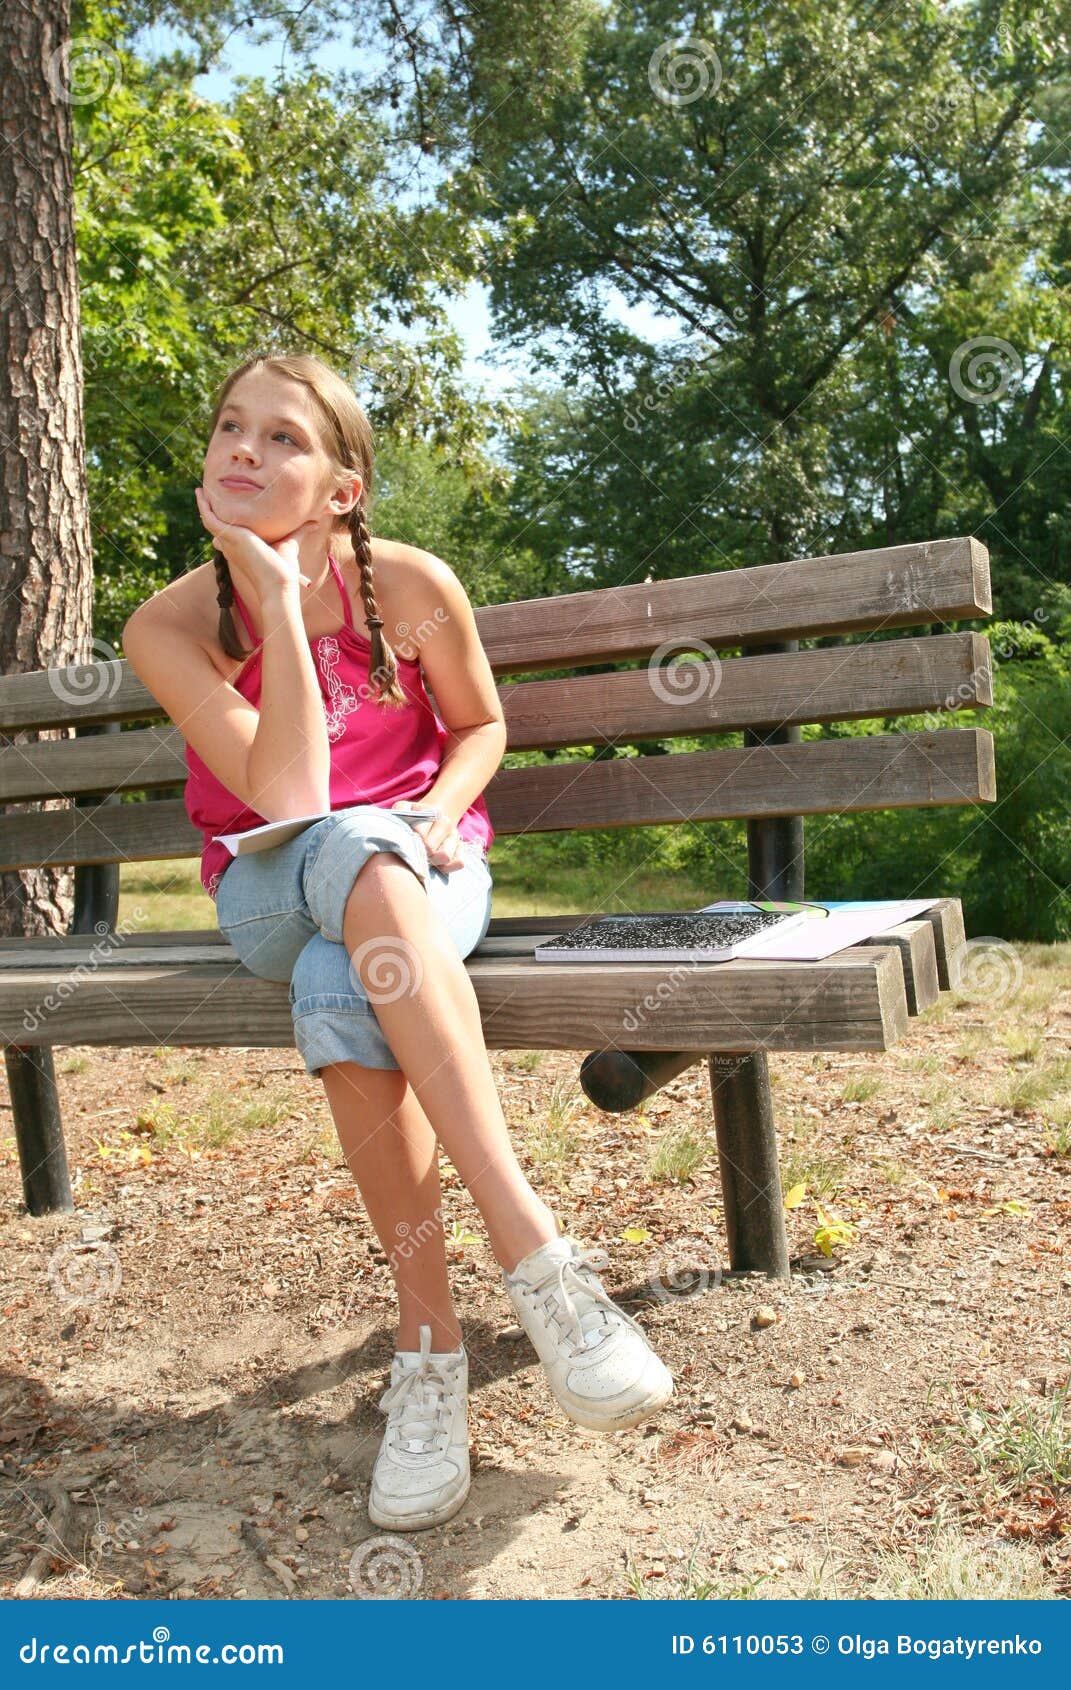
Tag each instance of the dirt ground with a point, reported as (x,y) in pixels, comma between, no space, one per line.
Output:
(192,1361)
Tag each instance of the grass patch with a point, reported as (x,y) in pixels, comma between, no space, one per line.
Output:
(532,876)
(320,1144)
(971,1045)
(1025,1090)
(858,1087)
(951,1567)
(1058,1126)
(690,1584)
(1020,1443)
(927,1063)
(555,1138)
(1037,997)
(179,1075)
(678,1154)
(942,1117)
(220,1122)
(822,1175)
(1023,1044)
(168,895)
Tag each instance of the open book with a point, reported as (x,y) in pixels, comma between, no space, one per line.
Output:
(277,833)
(715,934)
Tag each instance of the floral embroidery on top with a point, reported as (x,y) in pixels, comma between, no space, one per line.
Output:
(212,885)
(342,699)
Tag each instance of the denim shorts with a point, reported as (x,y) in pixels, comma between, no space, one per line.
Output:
(282,912)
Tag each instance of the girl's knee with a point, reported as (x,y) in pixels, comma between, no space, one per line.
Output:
(383,873)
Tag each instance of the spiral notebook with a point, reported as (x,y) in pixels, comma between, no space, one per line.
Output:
(706,935)
(277,833)
(775,931)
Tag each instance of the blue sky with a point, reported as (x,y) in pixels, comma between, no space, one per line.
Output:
(245,57)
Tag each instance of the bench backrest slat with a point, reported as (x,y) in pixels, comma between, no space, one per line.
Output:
(893,587)
(836,683)
(678,694)
(896,587)
(947,766)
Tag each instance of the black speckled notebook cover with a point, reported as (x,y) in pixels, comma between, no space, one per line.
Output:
(682,936)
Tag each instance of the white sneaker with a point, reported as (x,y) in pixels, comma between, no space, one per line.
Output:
(597,1359)
(421,1476)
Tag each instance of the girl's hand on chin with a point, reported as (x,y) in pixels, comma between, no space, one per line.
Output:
(271,567)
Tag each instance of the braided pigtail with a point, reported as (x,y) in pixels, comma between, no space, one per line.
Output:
(227,631)
(382,665)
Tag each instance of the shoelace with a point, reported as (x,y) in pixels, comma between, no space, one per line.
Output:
(418,1405)
(583,1299)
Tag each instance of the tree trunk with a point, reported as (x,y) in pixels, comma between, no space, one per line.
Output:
(46,570)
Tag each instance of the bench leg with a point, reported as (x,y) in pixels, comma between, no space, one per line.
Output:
(31,1078)
(747,1154)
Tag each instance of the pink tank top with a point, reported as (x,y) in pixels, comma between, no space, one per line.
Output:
(378,753)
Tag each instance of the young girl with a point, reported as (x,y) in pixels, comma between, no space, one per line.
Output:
(312,700)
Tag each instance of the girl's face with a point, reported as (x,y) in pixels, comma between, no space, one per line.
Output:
(265,466)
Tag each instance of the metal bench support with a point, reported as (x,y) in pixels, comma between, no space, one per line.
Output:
(31,1078)
(739,1080)
(31,1072)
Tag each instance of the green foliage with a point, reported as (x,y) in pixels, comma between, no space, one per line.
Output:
(794,192)
(206,232)
(1009,861)
(806,226)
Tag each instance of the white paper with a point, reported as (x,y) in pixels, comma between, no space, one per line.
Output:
(277,833)
(821,936)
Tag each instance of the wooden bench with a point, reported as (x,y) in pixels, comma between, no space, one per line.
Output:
(640,1023)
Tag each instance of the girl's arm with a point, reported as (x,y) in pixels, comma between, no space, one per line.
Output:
(466,698)
(289,766)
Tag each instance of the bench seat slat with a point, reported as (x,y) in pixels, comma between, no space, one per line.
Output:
(945,919)
(853,1001)
(913,939)
(54,957)
(890,587)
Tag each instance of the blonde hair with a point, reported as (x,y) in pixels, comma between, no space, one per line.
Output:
(346,436)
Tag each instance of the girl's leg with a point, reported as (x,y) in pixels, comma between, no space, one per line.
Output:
(392,1153)
(434,1030)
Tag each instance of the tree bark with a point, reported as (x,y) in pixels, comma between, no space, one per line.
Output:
(46,569)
